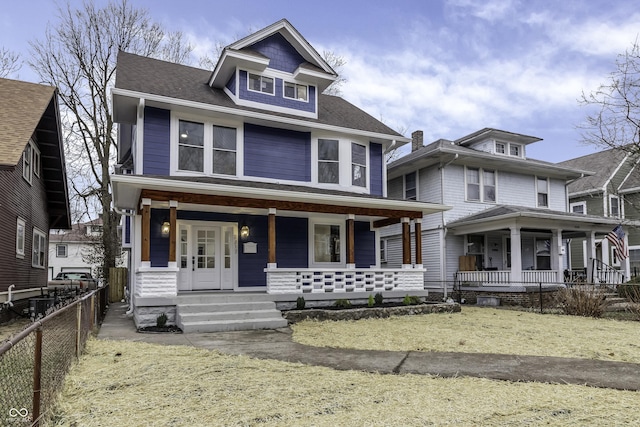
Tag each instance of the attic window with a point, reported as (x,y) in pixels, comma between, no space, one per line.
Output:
(514,150)
(500,148)
(295,91)
(262,84)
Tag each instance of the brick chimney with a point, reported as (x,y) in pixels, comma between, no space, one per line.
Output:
(416,140)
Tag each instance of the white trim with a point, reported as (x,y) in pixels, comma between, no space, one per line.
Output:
(66,250)
(548,193)
(295,88)
(404,185)
(244,114)
(138,166)
(582,203)
(331,221)
(42,246)
(481,172)
(20,251)
(620,206)
(345,178)
(261,75)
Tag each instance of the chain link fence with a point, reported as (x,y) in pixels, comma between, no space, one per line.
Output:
(33,363)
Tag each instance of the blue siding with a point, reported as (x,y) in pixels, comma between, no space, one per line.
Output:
(159,250)
(292,242)
(231,84)
(377,163)
(365,245)
(127,229)
(156,147)
(278,98)
(282,55)
(277,153)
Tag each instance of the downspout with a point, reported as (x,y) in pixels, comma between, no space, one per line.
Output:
(8,301)
(443,261)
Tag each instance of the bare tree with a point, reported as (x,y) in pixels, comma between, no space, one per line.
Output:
(10,63)
(78,56)
(615,122)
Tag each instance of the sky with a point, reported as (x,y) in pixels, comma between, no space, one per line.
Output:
(446,67)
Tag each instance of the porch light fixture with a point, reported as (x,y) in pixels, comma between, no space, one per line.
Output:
(244,231)
(166,228)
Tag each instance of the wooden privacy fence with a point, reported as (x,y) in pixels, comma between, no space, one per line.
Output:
(117,283)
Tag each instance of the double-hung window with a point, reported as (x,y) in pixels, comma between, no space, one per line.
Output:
(500,148)
(61,251)
(30,162)
(327,241)
(260,83)
(206,148)
(579,208)
(328,161)
(515,150)
(481,185)
(542,188)
(39,249)
(614,207)
(410,186)
(296,91)
(358,165)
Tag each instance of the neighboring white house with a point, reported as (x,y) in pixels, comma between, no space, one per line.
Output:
(66,247)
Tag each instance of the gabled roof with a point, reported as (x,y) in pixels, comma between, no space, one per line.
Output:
(631,184)
(240,53)
(501,135)
(444,151)
(604,164)
(165,84)
(28,109)
(77,233)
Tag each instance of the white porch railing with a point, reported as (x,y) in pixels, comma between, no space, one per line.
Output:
(320,280)
(503,277)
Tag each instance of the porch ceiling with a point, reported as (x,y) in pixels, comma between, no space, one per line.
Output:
(502,217)
(245,195)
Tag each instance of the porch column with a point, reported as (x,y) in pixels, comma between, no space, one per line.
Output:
(271,260)
(516,256)
(626,263)
(556,254)
(351,253)
(591,254)
(145,255)
(417,224)
(406,243)
(173,232)
(606,250)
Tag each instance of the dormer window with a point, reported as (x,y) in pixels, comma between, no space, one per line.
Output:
(508,148)
(500,148)
(260,83)
(296,91)
(514,150)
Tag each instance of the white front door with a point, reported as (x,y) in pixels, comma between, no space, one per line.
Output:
(207,256)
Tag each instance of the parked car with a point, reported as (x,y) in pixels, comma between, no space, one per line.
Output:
(80,279)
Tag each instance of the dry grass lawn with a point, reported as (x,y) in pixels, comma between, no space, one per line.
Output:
(483,330)
(119,383)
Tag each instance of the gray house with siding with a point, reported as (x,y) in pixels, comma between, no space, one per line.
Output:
(249,180)
(510,222)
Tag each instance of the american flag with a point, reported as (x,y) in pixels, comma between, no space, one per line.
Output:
(616,237)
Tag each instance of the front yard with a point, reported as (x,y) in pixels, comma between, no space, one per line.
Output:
(119,383)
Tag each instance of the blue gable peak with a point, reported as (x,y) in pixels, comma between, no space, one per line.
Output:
(282,55)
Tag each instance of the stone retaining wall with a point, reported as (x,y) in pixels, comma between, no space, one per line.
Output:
(294,316)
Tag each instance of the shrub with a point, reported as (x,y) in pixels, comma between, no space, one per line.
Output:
(378,298)
(370,301)
(342,303)
(300,303)
(629,291)
(161,321)
(411,300)
(588,302)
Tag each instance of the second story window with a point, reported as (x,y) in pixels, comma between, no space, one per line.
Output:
(295,91)
(260,83)
(224,150)
(515,150)
(61,251)
(410,186)
(30,162)
(614,207)
(328,161)
(481,185)
(579,208)
(500,148)
(359,165)
(191,146)
(542,188)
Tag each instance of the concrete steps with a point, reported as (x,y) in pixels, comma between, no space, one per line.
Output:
(227,312)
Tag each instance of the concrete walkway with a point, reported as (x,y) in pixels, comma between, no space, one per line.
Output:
(278,345)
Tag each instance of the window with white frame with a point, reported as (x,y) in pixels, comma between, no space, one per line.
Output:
(383,250)
(258,83)
(508,149)
(39,249)
(35,162)
(615,259)
(358,165)
(61,251)
(410,186)
(614,207)
(543,254)
(296,91)
(515,150)
(481,185)
(329,161)
(20,238)
(500,148)
(578,208)
(542,189)
(206,148)
(327,243)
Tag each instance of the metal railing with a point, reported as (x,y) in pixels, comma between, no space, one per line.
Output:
(34,363)
(605,274)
